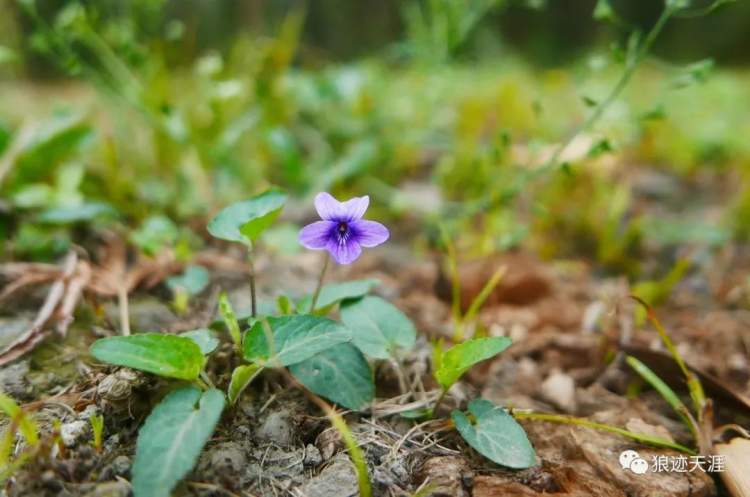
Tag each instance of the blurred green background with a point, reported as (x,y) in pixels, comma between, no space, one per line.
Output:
(148,116)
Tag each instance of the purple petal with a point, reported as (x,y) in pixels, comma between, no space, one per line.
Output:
(328,207)
(344,253)
(369,233)
(355,208)
(317,235)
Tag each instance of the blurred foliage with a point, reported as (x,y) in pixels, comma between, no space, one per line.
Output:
(154,129)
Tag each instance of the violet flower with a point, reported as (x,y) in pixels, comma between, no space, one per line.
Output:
(342,232)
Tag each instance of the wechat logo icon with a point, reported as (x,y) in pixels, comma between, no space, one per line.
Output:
(630,459)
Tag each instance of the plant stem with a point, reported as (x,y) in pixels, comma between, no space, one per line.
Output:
(630,66)
(122,300)
(570,420)
(253,301)
(439,401)
(320,284)
(206,379)
(338,422)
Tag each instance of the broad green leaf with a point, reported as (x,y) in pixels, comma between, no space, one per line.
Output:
(204,338)
(340,374)
(336,292)
(230,320)
(26,425)
(246,220)
(460,358)
(295,338)
(495,434)
(377,326)
(192,281)
(166,355)
(172,438)
(241,378)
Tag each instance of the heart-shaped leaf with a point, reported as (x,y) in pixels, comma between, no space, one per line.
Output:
(172,438)
(294,338)
(166,355)
(495,434)
(241,378)
(336,292)
(204,338)
(340,374)
(245,221)
(460,358)
(377,326)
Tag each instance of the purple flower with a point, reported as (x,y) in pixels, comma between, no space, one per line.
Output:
(342,231)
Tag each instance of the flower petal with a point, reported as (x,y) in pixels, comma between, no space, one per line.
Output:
(344,253)
(368,233)
(317,235)
(328,207)
(355,208)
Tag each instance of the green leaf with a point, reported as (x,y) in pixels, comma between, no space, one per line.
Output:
(230,320)
(26,425)
(295,338)
(245,221)
(460,358)
(172,438)
(192,281)
(204,338)
(604,12)
(495,435)
(166,355)
(77,213)
(664,390)
(241,378)
(377,326)
(155,233)
(285,305)
(335,293)
(340,374)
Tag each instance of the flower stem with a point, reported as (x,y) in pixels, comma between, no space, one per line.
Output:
(253,300)
(571,420)
(316,294)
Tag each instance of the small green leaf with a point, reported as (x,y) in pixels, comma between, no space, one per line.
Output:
(155,233)
(295,338)
(604,12)
(166,355)
(204,338)
(285,305)
(230,320)
(340,374)
(335,293)
(245,221)
(377,326)
(172,438)
(192,281)
(241,378)
(495,435)
(26,425)
(460,358)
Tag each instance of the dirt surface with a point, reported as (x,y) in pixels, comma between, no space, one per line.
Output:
(564,321)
